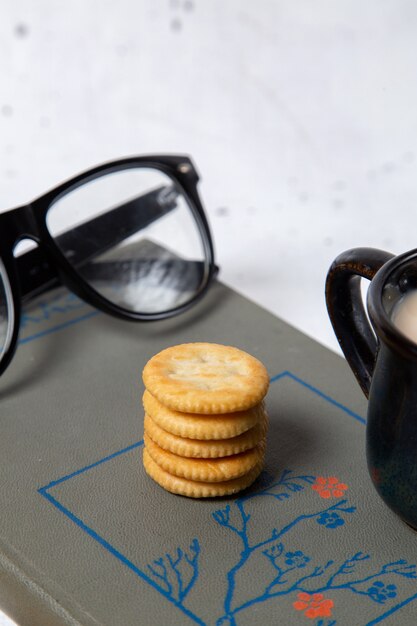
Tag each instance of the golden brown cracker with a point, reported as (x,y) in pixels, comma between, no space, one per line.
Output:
(206,378)
(206,470)
(194,489)
(199,426)
(207,449)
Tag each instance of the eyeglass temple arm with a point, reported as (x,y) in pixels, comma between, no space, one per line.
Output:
(94,237)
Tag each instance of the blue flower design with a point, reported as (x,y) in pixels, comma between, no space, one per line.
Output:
(330,520)
(296,559)
(381,592)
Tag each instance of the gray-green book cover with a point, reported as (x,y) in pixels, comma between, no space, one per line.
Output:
(88,538)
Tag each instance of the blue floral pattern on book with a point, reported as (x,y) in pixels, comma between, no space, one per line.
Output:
(288,564)
(291,571)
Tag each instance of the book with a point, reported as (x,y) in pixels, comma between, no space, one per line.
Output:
(87,538)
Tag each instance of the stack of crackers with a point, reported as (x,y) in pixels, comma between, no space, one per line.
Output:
(205,419)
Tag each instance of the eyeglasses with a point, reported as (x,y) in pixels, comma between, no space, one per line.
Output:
(129,237)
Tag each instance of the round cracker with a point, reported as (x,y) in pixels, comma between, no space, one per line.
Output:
(206,378)
(206,470)
(194,489)
(198,426)
(208,449)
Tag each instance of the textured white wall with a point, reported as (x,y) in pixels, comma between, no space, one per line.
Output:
(301,117)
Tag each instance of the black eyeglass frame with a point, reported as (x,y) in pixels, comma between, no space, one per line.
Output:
(29,222)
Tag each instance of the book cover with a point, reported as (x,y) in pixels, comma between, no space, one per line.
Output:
(88,538)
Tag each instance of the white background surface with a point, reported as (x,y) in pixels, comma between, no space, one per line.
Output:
(301,117)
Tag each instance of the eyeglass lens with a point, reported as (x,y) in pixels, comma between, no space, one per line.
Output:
(134,237)
(6,315)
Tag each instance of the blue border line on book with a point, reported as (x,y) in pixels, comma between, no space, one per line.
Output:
(44,491)
(54,329)
(321,394)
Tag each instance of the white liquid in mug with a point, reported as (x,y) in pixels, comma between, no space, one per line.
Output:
(404,315)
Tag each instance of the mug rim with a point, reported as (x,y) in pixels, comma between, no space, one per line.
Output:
(387,331)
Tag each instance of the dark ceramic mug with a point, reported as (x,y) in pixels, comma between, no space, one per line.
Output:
(384,362)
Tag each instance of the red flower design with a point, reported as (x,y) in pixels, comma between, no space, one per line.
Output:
(329,487)
(315,605)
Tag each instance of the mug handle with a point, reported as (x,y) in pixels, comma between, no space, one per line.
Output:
(347,313)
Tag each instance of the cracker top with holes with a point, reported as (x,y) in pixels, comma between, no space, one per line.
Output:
(206,378)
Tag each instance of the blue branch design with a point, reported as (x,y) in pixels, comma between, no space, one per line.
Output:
(177,573)
(293,484)
(162,575)
(171,575)
(288,484)
(377,594)
(273,549)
